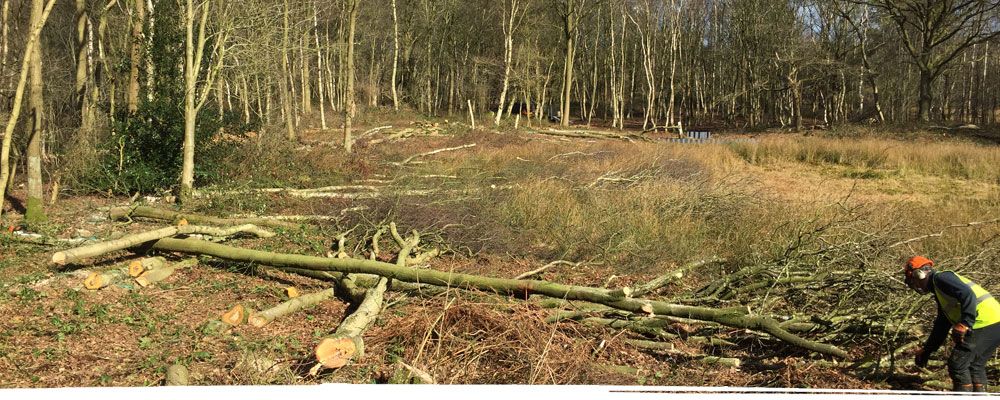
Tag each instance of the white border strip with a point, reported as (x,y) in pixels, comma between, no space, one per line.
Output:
(465,392)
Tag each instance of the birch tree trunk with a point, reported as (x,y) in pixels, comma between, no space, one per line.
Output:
(508,54)
(349,105)
(319,67)
(395,57)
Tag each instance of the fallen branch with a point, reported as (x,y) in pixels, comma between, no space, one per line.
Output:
(941,233)
(669,349)
(588,134)
(96,249)
(433,152)
(666,279)
(127,213)
(546,268)
(519,288)
(34,238)
(259,319)
(419,374)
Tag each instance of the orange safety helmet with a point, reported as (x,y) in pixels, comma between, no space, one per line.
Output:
(917,262)
(917,269)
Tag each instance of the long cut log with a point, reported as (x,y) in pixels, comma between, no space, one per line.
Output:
(519,288)
(96,249)
(259,319)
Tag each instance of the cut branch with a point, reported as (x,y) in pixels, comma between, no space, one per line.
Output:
(433,152)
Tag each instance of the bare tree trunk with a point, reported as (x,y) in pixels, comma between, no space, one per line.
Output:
(35,212)
(150,66)
(349,106)
(31,43)
(83,68)
(395,59)
(319,67)
(5,36)
(571,17)
(286,97)
(305,78)
(193,101)
(508,51)
(136,57)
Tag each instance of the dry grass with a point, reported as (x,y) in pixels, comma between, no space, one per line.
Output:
(956,160)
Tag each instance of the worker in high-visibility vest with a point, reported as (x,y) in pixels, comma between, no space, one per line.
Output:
(968,311)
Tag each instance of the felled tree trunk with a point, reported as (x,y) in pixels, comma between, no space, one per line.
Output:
(346,344)
(262,318)
(519,288)
(96,249)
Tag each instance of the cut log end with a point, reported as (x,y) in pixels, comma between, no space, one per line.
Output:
(94,281)
(59,258)
(235,316)
(143,281)
(135,268)
(257,321)
(335,352)
(177,375)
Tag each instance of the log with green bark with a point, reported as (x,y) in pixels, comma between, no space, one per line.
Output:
(138,267)
(127,213)
(261,318)
(100,280)
(519,288)
(346,344)
(100,248)
(672,276)
(156,275)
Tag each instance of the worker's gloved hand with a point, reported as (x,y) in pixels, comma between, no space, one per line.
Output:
(958,333)
(921,358)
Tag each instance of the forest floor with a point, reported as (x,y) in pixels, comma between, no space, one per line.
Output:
(512,203)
